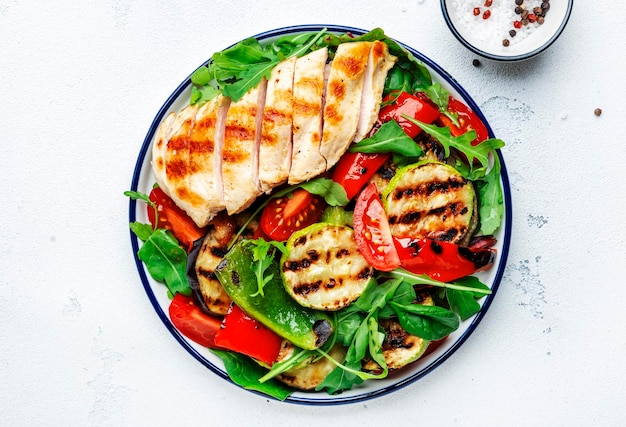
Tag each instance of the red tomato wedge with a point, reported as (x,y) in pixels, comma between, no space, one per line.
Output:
(193,323)
(173,218)
(372,233)
(354,170)
(468,120)
(417,106)
(441,261)
(243,334)
(285,215)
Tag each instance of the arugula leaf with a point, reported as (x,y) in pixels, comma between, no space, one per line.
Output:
(462,143)
(491,199)
(262,256)
(429,322)
(142,231)
(390,138)
(422,279)
(464,303)
(246,373)
(166,261)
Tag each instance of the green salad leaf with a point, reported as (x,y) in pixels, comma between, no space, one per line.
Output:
(491,199)
(246,373)
(389,138)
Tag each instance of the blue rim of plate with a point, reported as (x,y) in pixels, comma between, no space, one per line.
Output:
(501,58)
(330,400)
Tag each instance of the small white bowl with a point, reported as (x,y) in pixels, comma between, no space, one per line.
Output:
(485,36)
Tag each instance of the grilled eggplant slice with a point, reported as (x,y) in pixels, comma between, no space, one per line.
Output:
(399,347)
(323,268)
(431,199)
(214,247)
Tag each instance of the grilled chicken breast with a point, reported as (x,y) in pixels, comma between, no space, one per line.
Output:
(378,65)
(171,162)
(291,128)
(343,99)
(205,155)
(277,128)
(308,103)
(240,162)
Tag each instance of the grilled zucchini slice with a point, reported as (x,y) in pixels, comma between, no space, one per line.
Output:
(323,269)
(431,199)
(399,347)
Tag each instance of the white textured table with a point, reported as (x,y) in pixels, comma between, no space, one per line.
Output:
(80,83)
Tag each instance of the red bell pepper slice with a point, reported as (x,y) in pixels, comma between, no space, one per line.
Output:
(193,323)
(417,106)
(243,334)
(355,169)
(441,261)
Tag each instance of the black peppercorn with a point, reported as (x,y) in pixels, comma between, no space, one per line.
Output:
(476,63)
(518,2)
(597,111)
(512,33)
(505,42)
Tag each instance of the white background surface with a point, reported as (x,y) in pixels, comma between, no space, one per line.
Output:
(80,344)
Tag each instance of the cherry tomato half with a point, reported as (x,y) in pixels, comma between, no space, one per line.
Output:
(173,218)
(416,106)
(285,215)
(354,170)
(468,120)
(372,233)
(243,334)
(193,323)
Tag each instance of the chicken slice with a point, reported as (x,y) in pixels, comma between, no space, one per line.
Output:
(205,155)
(176,183)
(378,65)
(308,103)
(275,143)
(240,162)
(159,149)
(343,99)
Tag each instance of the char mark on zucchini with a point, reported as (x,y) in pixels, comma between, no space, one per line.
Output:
(431,199)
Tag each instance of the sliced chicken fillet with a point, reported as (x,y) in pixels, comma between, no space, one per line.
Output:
(205,155)
(378,65)
(343,99)
(177,159)
(159,149)
(240,162)
(308,103)
(275,143)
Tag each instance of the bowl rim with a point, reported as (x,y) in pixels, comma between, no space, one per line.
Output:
(366,395)
(501,58)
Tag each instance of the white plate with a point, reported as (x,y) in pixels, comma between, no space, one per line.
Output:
(143,179)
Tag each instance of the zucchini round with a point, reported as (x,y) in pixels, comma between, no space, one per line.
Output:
(323,269)
(433,200)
